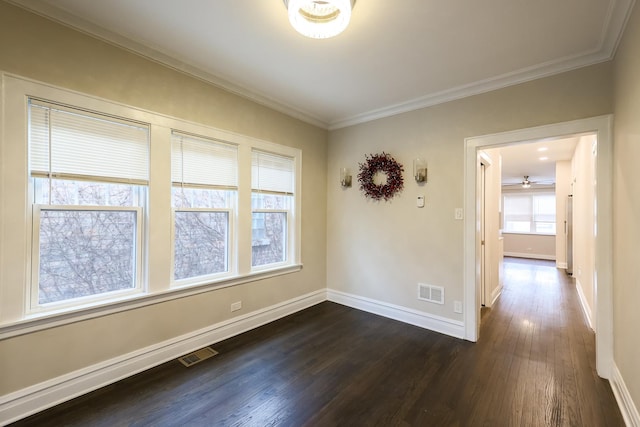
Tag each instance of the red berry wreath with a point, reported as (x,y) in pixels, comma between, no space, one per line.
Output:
(380,163)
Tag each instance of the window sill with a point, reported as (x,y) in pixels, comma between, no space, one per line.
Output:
(41,321)
(528,234)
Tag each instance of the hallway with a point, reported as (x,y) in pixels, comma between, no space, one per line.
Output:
(544,351)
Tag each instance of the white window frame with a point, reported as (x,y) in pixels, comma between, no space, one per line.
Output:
(33,305)
(208,278)
(292,218)
(17,202)
(36,307)
(231,214)
(288,241)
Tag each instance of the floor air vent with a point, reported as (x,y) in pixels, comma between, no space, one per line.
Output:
(197,356)
(431,293)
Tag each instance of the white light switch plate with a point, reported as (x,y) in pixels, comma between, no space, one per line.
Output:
(459,214)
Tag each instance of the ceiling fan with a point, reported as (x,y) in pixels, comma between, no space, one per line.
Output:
(526,183)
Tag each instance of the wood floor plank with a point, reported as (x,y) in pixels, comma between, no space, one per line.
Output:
(329,365)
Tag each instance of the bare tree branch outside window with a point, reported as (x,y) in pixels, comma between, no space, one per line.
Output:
(85,252)
(269,229)
(201,238)
(269,240)
(200,243)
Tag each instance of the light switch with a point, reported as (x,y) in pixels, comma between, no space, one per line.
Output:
(420,202)
(458,214)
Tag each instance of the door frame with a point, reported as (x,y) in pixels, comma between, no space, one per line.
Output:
(603,277)
(484,162)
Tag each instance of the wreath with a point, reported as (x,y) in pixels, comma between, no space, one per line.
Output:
(380,163)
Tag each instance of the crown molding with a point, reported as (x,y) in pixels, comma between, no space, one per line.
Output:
(617,17)
(159,56)
(476,88)
(615,22)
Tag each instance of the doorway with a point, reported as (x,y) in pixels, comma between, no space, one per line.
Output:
(483,253)
(601,126)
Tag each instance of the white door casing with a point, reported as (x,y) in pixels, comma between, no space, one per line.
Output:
(602,127)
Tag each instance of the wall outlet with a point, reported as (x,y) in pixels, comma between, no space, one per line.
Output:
(457,306)
(236,306)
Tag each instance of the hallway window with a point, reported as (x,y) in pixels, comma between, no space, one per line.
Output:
(530,213)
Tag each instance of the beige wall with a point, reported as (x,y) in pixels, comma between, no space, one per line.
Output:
(382,250)
(533,246)
(563,189)
(626,207)
(378,250)
(584,187)
(42,50)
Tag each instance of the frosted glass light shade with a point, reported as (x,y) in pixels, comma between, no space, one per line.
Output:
(319,19)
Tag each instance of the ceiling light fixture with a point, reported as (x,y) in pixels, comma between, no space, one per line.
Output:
(319,19)
(526,183)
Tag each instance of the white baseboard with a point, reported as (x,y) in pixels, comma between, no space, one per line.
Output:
(495,295)
(28,401)
(530,255)
(585,305)
(625,402)
(432,322)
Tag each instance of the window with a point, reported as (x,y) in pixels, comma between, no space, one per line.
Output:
(205,176)
(533,213)
(106,207)
(89,175)
(272,182)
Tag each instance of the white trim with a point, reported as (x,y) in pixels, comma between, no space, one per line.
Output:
(530,255)
(495,294)
(586,310)
(561,265)
(476,88)
(617,17)
(424,320)
(613,29)
(623,397)
(601,125)
(36,398)
(13,318)
(159,56)
(33,305)
(35,324)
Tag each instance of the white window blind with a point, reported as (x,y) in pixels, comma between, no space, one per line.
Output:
(272,173)
(530,213)
(544,208)
(203,162)
(517,208)
(75,144)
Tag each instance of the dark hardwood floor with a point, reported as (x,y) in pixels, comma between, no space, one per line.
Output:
(331,365)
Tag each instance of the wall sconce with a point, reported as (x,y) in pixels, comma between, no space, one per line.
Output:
(420,170)
(345,177)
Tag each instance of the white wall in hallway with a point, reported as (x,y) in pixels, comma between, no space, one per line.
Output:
(563,189)
(583,172)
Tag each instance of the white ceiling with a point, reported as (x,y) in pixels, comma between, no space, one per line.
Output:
(395,56)
(535,159)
